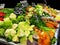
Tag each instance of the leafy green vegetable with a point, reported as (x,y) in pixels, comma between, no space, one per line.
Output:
(15,38)
(7,11)
(45,14)
(7,23)
(18,4)
(27,33)
(30,38)
(37,21)
(1,24)
(23,40)
(2,32)
(20,18)
(39,9)
(20,33)
(53,40)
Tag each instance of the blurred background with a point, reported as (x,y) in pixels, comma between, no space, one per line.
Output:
(51,3)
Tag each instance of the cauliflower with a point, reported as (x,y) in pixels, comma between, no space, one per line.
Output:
(20,33)
(10,32)
(14,26)
(24,29)
(12,16)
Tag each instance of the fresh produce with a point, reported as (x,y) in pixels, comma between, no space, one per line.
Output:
(2,32)
(7,11)
(26,22)
(2,14)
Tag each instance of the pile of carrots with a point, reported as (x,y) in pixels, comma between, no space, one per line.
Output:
(44,37)
(51,24)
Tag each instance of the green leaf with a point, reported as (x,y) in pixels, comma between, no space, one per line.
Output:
(53,40)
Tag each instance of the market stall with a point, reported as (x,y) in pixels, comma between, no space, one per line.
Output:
(25,24)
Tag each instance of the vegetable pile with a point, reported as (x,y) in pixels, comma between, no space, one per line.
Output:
(28,23)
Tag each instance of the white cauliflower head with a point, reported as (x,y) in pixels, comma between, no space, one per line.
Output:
(11,32)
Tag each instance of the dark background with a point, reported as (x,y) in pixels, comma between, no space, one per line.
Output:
(52,3)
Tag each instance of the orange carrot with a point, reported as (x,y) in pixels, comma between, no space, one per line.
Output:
(50,25)
(53,23)
(45,40)
(51,33)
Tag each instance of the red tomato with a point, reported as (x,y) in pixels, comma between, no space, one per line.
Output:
(1,19)
(2,14)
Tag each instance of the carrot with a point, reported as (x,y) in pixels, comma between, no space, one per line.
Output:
(53,23)
(45,40)
(50,25)
(51,33)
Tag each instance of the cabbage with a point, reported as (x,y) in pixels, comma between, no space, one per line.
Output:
(7,23)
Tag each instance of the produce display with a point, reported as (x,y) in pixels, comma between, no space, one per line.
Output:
(29,22)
